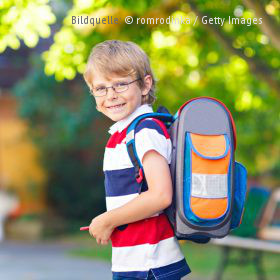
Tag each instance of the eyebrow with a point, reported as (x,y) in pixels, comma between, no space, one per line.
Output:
(98,85)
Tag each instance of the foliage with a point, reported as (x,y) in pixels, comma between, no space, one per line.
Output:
(64,126)
(24,20)
(236,63)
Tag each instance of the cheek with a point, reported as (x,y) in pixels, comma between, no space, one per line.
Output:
(136,97)
(98,105)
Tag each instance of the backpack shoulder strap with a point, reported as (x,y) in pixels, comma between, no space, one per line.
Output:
(130,139)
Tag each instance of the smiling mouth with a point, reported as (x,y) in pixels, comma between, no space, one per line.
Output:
(116,106)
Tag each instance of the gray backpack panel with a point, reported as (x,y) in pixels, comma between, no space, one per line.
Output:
(202,116)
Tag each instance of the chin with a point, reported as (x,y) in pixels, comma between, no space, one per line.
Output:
(117,118)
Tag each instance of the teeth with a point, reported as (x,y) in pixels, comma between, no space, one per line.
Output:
(116,108)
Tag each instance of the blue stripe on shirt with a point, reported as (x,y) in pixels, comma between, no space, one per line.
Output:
(172,271)
(149,124)
(122,182)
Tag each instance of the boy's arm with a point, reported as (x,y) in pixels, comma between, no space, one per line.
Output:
(156,198)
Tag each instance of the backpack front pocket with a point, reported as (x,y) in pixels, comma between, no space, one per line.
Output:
(206,173)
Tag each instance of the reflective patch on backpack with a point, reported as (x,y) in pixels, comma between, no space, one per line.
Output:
(209,185)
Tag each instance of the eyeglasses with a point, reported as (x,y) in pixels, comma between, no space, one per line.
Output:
(118,88)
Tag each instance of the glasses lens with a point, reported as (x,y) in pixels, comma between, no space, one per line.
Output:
(100,91)
(121,87)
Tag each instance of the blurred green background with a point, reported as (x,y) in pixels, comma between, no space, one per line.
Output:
(52,138)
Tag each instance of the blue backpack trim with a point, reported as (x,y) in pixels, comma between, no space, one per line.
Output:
(240,181)
(130,144)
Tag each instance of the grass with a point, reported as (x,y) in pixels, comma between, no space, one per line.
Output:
(202,259)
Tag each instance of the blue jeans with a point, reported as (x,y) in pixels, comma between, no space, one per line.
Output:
(150,277)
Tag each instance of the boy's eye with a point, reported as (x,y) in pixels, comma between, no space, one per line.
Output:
(120,86)
(100,89)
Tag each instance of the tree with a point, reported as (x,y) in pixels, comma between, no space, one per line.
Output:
(24,20)
(237,63)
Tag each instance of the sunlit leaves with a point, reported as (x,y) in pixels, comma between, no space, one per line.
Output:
(188,60)
(162,41)
(68,54)
(212,57)
(135,6)
(247,101)
(24,20)
(273,8)
(65,54)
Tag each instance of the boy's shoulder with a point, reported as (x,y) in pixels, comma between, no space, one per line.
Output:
(152,126)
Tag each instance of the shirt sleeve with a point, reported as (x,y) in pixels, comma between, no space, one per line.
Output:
(150,135)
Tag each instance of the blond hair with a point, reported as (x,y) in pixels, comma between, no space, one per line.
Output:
(121,58)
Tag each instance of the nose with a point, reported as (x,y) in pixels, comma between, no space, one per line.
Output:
(111,94)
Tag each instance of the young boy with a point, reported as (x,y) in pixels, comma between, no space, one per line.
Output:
(143,242)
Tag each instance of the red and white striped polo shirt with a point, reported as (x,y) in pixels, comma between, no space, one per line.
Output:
(148,244)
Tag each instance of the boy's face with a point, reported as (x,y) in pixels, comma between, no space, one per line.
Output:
(118,106)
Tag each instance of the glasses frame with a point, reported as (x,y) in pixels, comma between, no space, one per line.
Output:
(114,89)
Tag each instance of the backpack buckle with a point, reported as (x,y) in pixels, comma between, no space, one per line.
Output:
(139,176)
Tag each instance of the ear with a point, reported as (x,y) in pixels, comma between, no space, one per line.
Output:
(148,82)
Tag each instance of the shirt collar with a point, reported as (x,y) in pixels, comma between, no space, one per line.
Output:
(122,124)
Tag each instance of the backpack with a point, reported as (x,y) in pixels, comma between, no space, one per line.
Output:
(209,187)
